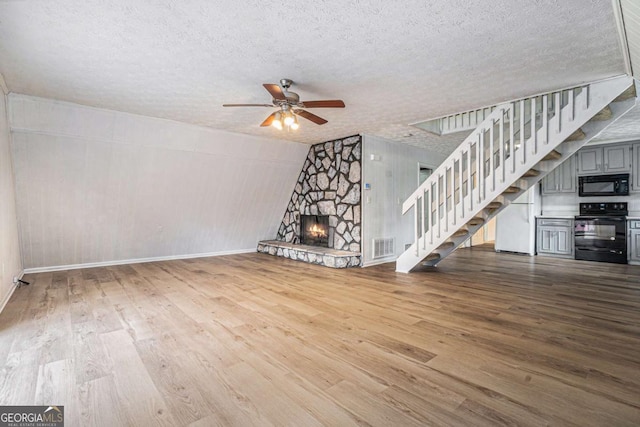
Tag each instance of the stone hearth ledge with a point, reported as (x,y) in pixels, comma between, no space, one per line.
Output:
(310,254)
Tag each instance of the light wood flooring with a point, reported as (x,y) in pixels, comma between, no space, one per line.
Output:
(485,339)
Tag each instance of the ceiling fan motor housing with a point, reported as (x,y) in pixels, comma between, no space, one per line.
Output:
(286,83)
(292,97)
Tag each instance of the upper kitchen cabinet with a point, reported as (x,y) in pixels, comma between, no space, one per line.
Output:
(590,160)
(562,179)
(604,159)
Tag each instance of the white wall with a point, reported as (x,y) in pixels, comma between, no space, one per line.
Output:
(9,243)
(98,186)
(392,176)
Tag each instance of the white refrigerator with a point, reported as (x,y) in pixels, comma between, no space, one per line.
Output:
(516,224)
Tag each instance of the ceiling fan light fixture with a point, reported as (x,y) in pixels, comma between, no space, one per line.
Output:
(288,119)
(295,124)
(277,121)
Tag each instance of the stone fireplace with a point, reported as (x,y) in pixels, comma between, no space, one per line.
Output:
(329,184)
(314,230)
(328,187)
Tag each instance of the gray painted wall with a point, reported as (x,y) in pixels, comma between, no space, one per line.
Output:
(9,243)
(97,186)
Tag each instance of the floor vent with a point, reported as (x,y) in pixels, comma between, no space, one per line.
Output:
(384,247)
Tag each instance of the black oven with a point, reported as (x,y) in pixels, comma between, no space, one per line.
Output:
(600,232)
(603,185)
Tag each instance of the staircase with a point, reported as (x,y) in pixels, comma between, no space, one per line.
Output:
(509,152)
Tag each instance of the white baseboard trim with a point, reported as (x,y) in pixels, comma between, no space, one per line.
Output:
(133,261)
(379,261)
(10,293)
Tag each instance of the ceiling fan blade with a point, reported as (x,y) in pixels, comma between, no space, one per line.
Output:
(274,90)
(247,105)
(309,116)
(268,120)
(328,103)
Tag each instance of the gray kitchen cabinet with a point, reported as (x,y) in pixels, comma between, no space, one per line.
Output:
(590,160)
(554,237)
(604,159)
(617,158)
(562,179)
(634,241)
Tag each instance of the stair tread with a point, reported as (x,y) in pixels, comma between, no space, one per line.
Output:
(445,245)
(629,93)
(475,221)
(512,189)
(578,135)
(604,114)
(461,232)
(553,155)
(493,205)
(432,256)
(531,173)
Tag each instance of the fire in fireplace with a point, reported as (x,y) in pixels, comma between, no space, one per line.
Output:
(314,230)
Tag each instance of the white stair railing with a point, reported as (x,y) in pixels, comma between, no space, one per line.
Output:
(458,122)
(510,141)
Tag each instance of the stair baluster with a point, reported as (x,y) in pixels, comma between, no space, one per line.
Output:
(512,136)
(558,115)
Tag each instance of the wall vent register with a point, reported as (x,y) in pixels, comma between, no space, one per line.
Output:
(383,247)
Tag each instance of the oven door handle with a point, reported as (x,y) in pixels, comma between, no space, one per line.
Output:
(594,218)
(603,250)
(582,248)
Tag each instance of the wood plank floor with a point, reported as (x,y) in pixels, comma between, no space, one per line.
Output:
(485,339)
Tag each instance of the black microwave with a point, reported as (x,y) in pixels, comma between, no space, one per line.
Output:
(603,185)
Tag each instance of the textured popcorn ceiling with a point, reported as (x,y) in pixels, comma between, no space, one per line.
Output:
(393,63)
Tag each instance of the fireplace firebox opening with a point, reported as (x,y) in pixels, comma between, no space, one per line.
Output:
(314,230)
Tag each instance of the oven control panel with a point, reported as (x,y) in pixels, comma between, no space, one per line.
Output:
(604,209)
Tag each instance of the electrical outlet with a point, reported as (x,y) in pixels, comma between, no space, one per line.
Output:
(15,280)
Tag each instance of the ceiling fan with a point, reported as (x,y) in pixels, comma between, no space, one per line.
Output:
(289,106)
